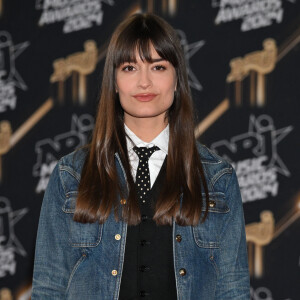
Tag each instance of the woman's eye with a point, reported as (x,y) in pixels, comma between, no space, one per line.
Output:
(159,68)
(128,68)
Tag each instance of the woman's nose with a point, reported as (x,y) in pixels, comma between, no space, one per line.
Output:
(144,79)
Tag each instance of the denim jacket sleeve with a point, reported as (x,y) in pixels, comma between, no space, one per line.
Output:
(233,280)
(50,278)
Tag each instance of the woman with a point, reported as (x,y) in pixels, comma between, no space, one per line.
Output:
(144,211)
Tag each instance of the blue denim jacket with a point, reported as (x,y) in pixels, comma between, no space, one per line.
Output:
(84,261)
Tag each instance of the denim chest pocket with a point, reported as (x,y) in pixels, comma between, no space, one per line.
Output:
(207,234)
(81,235)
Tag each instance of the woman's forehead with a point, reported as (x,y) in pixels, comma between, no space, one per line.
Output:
(141,50)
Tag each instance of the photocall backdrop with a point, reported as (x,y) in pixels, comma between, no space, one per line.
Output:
(243,59)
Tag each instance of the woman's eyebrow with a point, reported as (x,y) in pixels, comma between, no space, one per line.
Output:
(157,59)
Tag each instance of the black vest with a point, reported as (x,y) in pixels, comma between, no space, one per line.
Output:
(148,270)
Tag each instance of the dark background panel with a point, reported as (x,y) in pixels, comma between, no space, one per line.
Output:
(28,56)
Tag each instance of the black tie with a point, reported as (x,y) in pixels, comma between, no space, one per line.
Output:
(142,174)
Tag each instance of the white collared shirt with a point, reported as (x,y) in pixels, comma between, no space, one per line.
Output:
(156,159)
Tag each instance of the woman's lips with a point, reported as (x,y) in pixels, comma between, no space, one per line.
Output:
(144,97)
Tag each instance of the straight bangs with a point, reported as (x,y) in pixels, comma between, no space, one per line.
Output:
(137,38)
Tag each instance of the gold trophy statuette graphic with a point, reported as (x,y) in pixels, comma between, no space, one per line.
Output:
(262,233)
(83,63)
(260,62)
(5,294)
(256,65)
(258,235)
(77,65)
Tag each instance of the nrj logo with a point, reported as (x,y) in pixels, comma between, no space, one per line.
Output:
(255,158)
(50,150)
(9,76)
(9,244)
(76,14)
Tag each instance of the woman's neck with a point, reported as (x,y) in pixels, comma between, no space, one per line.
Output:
(146,128)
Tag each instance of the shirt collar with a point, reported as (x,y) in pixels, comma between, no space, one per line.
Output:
(161,141)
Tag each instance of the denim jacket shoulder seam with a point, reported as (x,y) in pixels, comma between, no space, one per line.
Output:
(70,171)
(228,183)
(60,177)
(226,190)
(214,158)
(216,177)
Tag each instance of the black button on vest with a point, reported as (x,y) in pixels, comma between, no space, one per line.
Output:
(148,270)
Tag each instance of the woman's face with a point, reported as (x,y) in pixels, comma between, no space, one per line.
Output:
(146,90)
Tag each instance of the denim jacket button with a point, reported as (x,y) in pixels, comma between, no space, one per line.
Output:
(114,272)
(182,272)
(117,237)
(212,204)
(178,238)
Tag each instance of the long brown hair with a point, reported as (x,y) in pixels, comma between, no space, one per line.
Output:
(99,187)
